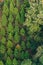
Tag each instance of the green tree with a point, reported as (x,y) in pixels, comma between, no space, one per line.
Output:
(10,36)
(39,52)
(1,63)
(41,59)
(26,62)
(26,3)
(2,31)
(16,38)
(8,61)
(9,52)
(5,9)
(4,20)
(16,29)
(2,49)
(22,55)
(22,32)
(11,8)
(10,18)
(26,55)
(10,28)
(9,44)
(15,62)
(28,45)
(23,45)
(15,10)
(17,53)
(3,40)
(22,14)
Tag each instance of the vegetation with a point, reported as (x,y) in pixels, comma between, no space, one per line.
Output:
(21,32)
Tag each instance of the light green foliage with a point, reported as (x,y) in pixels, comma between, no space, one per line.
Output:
(1,63)
(15,11)
(8,61)
(5,9)
(15,62)
(10,28)
(9,44)
(32,23)
(2,31)
(34,28)
(3,40)
(10,18)
(39,52)
(16,38)
(10,36)
(11,8)
(7,2)
(2,49)
(27,62)
(16,29)
(18,17)
(22,32)
(9,52)
(17,3)
(4,20)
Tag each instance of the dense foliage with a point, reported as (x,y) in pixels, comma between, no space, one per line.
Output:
(21,32)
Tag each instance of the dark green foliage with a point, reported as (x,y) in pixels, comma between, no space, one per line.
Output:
(41,59)
(21,32)
(26,3)
(22,14)
(23,46)
(26,55)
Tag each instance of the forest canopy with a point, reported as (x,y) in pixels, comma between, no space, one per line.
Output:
(21,32)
